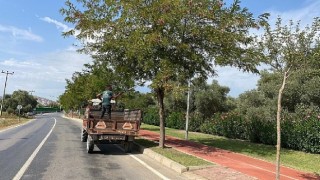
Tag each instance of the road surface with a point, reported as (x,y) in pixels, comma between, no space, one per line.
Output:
(49,147)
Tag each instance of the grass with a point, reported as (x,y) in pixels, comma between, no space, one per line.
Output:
(295,159)
(10,120)
(177,156)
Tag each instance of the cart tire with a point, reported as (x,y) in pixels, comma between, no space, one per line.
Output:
(127,146)
(84,135)
(90,144)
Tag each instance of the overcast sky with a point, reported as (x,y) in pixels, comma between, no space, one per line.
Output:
(32,47)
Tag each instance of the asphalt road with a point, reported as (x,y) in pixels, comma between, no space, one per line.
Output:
(49,147)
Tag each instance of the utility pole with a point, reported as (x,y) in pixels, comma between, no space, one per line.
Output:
(4,89)
(31,92)
(188,109)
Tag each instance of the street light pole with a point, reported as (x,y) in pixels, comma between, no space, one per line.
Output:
(4,89)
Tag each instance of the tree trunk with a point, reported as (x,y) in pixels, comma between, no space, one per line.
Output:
(160,96)
(279,125)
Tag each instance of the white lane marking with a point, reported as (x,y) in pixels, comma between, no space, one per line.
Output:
(33,155)
(150,168)
(146,165)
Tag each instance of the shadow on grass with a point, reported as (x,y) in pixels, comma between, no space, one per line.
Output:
(148,143)
(151,128)
(310,176)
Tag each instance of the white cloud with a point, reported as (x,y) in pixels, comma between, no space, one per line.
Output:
(59,25)
(237,80)
(20,33)
(305,14)
(45,74)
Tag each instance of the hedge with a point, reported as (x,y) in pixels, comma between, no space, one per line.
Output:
(298,132)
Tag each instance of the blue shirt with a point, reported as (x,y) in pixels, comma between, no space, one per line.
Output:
(106,98)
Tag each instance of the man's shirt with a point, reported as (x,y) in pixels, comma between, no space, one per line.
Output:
(106,98)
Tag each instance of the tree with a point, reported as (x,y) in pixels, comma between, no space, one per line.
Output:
(137,100)
(211,99)
(87,84)
(302,87)
(288,49)
(20,97)
(163,41)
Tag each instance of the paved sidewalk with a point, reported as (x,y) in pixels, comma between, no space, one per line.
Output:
(239,163)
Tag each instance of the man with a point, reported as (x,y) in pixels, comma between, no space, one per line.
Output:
(106,97)
(88,109)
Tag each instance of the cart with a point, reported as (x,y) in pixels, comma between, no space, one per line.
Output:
(122,128)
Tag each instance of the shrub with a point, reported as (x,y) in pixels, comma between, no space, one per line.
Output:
(208,128)
(195,122)
(151,116)
(230,125)
(268,132)
(233,126)
(302,133)
(301,130)
(176,120)
(10,110)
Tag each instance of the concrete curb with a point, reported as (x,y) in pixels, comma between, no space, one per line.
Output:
(161,159)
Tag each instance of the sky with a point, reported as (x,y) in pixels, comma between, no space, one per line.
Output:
(32,45)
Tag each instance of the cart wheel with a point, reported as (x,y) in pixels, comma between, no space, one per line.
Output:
(90,144)
(127,146)
(84,135)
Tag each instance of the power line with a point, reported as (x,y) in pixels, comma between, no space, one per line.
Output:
(4,89)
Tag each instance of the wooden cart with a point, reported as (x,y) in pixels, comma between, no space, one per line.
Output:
(122,128)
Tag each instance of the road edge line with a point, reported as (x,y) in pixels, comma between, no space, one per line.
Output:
(145,165)
(149,167)
(33,155)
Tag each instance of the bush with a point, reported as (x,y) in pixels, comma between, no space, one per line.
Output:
(176,120)
(268,132)
(195,122)
(208,128)
(233,126)
(301,131)
(304,135)
(229,125)
(151,116)
(10,110)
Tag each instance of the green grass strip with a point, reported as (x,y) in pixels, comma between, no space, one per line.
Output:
(177,156)
(295,159)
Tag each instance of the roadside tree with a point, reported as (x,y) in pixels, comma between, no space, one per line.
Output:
(288,49)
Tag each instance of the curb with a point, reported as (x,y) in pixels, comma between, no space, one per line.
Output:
(161,159)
